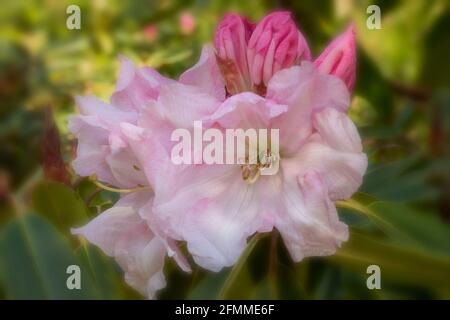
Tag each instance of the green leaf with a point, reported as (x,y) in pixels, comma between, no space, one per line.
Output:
(435,72)
(402,180)
(397,48)
(361,205)
(424,227)
(239,283)
(102,271)
(398,263)
(404,224)
(33,261)
(59,203)
(209,286)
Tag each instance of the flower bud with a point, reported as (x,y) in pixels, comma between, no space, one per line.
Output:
(275,44)
(187,23)
(339,58)
(231,40)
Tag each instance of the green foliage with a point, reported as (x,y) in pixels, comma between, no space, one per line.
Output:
(59,204)
(33,261)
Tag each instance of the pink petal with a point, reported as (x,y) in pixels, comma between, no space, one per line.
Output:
(107,115)
(152,150)
(213,210)
(340,170)
(230,40)
(205,75)
(339,58)
(136,87)
(126,169)
(309,225)
(173,251)
(247,110)
(181,104)
(305,91)
(275,44)
(122,234)
(101,149)
(337,130)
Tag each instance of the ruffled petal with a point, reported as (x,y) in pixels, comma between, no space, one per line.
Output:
(121,233)
(181,104)
(92,150)
(136,87)
(335,152)
(126,168)
(214,211)
(173,251)
(305,91)
(151,146)
(337,130)
(102,149)
(205,74)
(309,224)
(104,115)
(247,110)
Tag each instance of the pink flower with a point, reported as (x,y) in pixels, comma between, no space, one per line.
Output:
(339,58)
(215,208)
(151,32)
(187,23)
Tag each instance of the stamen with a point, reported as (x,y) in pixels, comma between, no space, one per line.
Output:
(251,172)
(93,178)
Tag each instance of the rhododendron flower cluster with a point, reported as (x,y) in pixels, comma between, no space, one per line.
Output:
(255,76)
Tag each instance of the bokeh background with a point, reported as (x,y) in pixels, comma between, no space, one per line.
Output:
(399,220)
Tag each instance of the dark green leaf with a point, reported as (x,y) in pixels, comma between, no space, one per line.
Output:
(59,203)
(33,261)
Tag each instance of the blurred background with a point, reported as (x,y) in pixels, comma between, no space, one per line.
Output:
(399,220)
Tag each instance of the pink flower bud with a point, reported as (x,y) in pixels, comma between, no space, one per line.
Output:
(231,40)
(339,58)
(187,23)
(275,44)
(151,32)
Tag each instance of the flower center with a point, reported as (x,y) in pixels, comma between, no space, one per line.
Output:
(265,165)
